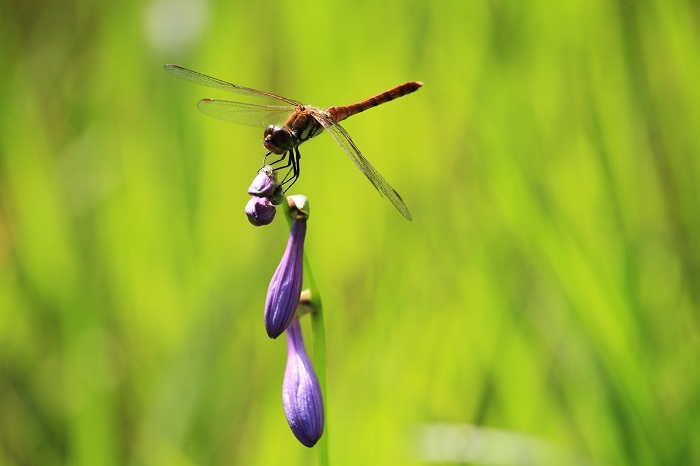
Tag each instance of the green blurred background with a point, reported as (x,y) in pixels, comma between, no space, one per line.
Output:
(542,308)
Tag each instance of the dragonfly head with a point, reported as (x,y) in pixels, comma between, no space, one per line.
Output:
(278,140)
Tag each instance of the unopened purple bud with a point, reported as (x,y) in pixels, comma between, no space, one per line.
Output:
(260,211)
(301,393)
(285,286)
(264,184)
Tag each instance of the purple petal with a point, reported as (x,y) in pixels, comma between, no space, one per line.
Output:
(285,286)
(301,393)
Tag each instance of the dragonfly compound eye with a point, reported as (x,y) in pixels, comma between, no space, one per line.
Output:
(278,140)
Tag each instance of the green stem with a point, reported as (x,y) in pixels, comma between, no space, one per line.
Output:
(319,337)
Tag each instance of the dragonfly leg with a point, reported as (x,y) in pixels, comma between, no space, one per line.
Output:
(290,162)
(276,161)
(265,160)
(294,159)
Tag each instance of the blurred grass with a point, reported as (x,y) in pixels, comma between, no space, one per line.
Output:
(548,285)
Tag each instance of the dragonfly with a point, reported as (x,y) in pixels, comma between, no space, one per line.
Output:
(288,126)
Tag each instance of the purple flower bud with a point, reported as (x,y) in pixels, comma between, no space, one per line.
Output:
(301,393)
(260,211)
(264,184)
(285,286)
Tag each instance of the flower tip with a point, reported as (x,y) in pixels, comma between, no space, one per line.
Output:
(279,309)
(260,211)
(273,333)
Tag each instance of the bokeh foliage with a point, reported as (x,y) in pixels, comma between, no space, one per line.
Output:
(548,285)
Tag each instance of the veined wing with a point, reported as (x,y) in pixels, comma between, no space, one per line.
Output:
(343,138)
(246,114)
(215,83)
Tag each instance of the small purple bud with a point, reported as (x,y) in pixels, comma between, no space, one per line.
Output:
(285,286)
(260,211)
(264,184)
(301,393)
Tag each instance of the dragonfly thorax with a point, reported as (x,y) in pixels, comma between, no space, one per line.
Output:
(278,140)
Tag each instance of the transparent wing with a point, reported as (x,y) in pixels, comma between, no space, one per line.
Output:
(246,114)
(343,138)
(215,83)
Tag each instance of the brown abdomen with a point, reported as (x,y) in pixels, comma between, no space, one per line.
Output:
(341,113)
